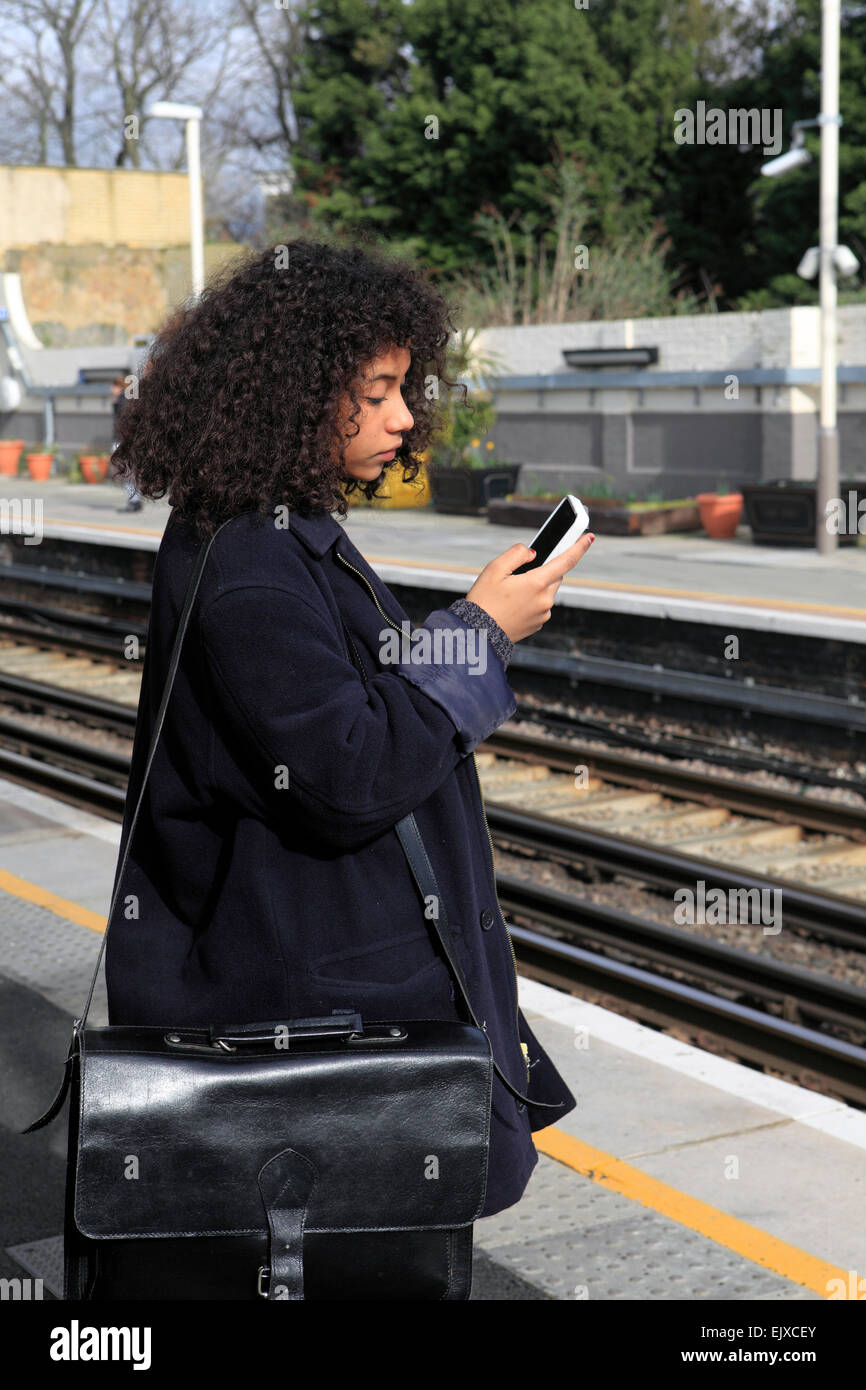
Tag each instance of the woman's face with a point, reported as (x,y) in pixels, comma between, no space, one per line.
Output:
(383,418)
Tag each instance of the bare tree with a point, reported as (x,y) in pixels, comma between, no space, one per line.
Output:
(77,78)
(158,48)
(41,44)
(261,115)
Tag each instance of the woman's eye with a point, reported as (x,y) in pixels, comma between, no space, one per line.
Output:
(375,400)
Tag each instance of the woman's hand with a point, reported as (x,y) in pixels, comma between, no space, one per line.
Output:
(522,603)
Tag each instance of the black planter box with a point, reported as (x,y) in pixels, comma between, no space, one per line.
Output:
(783,512)
(465,491)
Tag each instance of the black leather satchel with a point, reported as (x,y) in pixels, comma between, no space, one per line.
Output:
(318,1158)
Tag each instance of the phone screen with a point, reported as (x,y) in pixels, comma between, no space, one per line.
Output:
(551,534)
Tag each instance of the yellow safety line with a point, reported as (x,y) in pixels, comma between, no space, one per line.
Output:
(769,603)
(748,1241)
(62,907)
(99,526)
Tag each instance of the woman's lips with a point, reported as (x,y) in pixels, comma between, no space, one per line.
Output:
(387,454)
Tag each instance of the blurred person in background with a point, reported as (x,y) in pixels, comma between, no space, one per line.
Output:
(133,500)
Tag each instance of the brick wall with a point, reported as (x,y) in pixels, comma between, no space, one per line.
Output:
(79,207)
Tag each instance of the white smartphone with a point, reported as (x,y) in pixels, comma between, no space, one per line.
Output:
(562,528)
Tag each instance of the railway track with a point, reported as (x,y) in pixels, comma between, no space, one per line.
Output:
(655,820)
(811,1057)
(706,820)
(58,594)
(611,809)
(684,746)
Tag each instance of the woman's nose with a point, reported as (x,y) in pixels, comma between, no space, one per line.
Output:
(402,419)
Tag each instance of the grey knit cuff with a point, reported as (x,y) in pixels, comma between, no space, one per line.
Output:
(475,616)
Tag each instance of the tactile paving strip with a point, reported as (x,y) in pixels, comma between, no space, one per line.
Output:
(577,1240)
(568,1236)
(44,1260)
(51,955)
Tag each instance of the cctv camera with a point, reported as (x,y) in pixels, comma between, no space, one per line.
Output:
(810,264)
(845,261)
(792,159)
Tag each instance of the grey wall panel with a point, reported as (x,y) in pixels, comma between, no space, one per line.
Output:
(852,444)
(83,429)
(549,438)
(782,454)
(644,452)
(23,424)
(618,445)
(710,447)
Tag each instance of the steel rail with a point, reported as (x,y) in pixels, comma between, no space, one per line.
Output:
(16,690)
(835,918)
(737,795)
(813,1058)
(803,706)
(801,993)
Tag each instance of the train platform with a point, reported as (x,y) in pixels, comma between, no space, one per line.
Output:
(686,577)
(679,1176)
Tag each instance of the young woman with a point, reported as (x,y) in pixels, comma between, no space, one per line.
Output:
(265,875)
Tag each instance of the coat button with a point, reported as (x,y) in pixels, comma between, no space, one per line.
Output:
(487,919)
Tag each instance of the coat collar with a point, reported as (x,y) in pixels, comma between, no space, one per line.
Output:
(318,532)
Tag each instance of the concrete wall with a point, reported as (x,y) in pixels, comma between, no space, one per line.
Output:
(675,436)
(78,296)
(103,254)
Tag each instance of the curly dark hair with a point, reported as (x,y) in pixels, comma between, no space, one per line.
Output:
(240,400)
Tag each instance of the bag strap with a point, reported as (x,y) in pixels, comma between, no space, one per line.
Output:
(422,870)
(407,830)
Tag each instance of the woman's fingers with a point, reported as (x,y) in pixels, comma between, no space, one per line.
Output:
(554,570)
(510,560)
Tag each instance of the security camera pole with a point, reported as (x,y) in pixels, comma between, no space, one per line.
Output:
(828,258)
(828,433)
(175,111)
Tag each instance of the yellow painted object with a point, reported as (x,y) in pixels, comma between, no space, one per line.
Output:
(398,494)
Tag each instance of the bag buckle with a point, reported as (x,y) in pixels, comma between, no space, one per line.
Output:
(184,1041)
(264,1273)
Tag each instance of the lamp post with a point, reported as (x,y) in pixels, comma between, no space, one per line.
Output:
(175,111)
(825,260)
(828,433)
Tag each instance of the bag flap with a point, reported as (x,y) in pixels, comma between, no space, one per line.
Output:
(172,1143)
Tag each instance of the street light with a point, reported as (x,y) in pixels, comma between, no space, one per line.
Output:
(175,111)
(829,256)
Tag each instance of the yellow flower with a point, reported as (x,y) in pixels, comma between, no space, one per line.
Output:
(490,444)
(475,443)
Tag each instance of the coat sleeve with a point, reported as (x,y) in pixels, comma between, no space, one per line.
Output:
(352,756)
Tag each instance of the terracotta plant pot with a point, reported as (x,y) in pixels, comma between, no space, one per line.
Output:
(720,514)
(39,466)
(94,467)
(10,453)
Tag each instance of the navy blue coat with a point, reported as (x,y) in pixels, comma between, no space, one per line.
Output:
(269,880)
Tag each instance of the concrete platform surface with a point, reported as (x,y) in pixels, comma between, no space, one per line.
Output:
(679,1176)
(689,576)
